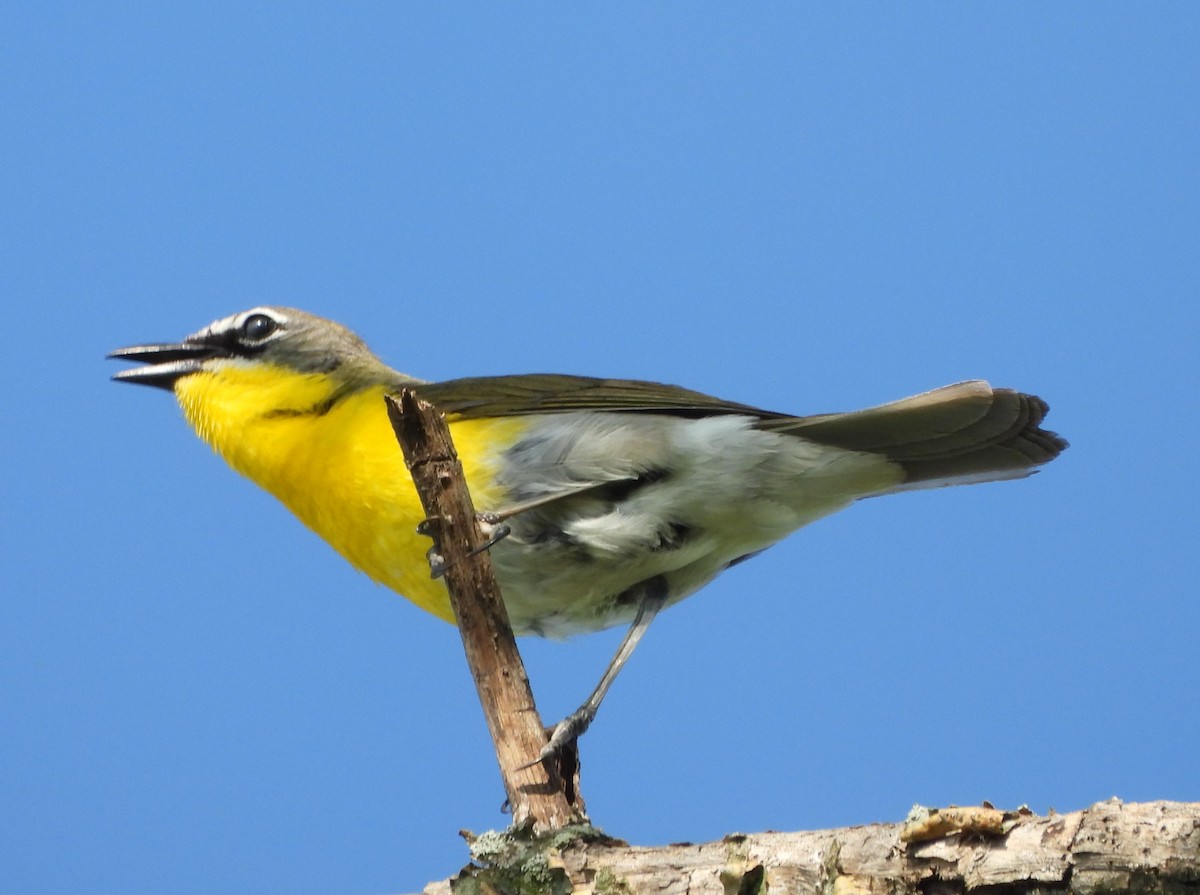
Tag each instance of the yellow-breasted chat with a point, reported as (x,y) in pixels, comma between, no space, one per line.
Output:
(623,496)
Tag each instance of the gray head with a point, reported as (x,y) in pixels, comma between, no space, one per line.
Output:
(269,334)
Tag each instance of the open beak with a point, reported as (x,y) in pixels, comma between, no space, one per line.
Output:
(164,363)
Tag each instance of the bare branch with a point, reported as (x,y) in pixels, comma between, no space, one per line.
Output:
(1111,847)
(540,797)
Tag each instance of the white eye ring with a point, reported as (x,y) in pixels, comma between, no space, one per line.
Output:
(257,327)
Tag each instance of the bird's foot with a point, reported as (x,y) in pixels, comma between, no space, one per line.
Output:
(492,526)
(563,738)
(437,563)
(494,530)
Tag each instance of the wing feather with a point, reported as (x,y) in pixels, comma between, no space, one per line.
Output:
(968,431)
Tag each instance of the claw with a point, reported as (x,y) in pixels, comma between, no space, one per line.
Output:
(564,736)
(494,532)
(437,563)
(566,732)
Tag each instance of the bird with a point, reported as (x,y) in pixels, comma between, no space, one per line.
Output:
(620,497)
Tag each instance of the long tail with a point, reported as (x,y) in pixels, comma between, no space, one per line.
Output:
(963,433)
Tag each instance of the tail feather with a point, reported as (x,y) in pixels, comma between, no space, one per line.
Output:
(968,432)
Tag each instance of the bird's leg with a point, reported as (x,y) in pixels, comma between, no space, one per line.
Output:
(494,524)
(570,728)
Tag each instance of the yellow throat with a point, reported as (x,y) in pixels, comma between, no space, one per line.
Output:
(340,471)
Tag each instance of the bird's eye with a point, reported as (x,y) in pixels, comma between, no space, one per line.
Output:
(257,327)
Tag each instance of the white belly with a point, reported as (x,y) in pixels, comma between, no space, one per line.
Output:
(665,496)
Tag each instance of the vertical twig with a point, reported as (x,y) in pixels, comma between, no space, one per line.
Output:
(538,794)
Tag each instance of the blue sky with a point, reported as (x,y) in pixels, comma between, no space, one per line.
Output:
(809,208)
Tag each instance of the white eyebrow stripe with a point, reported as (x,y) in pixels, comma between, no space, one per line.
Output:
(234,321)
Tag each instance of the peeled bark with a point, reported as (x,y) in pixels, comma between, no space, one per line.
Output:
(1108,848)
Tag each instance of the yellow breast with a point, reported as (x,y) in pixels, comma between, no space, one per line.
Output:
(340,471)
